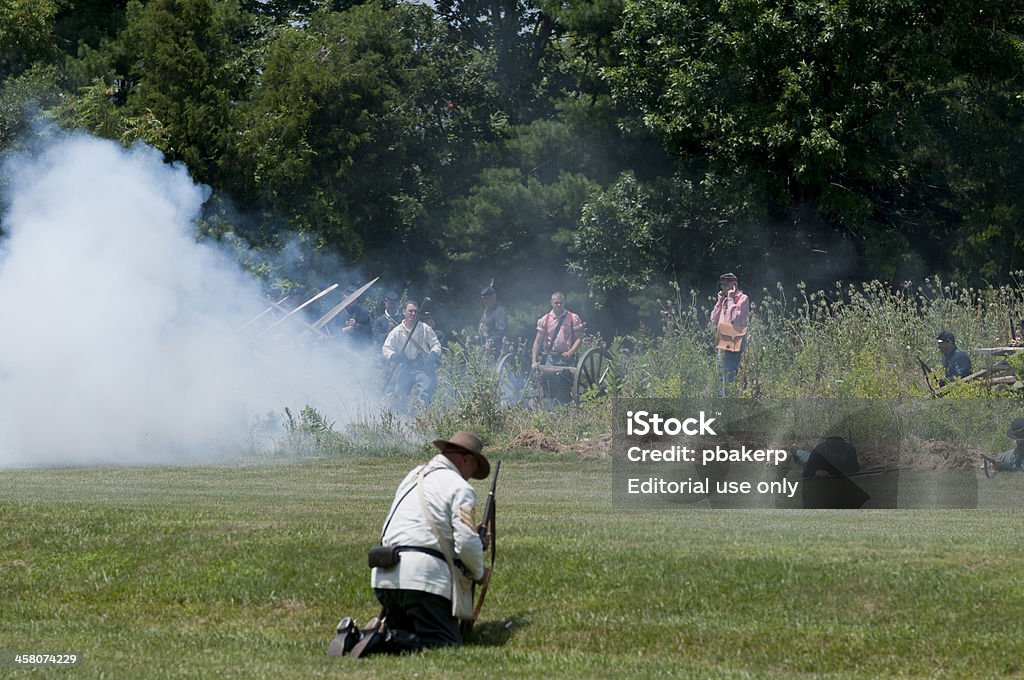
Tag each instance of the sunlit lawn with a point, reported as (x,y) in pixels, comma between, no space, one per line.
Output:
(244,571)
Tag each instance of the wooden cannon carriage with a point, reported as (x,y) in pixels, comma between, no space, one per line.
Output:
(521,385)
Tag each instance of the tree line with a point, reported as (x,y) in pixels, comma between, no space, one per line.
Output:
(604,146)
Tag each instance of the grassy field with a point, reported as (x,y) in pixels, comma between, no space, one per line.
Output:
(243,571)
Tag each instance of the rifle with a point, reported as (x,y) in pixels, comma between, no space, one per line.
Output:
(488,527)
(927,374)
(990,466)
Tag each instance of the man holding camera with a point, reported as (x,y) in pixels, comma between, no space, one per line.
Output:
(730,316)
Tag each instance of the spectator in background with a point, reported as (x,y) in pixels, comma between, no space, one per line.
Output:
(731,316)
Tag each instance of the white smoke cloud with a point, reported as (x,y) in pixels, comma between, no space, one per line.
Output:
(118,341)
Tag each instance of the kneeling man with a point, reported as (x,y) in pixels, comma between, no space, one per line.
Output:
(433,553)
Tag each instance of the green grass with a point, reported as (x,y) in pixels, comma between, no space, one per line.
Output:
(244,571)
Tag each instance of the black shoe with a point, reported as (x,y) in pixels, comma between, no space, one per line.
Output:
(371,625)
(348,636)
(372,638)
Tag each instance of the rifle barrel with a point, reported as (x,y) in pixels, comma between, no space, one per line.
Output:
(489,505)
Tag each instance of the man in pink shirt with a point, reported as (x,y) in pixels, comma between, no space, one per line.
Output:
(559,336)
(730,316)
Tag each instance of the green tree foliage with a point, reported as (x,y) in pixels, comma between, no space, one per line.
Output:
(94,108)
(891,122)
(88,22)
(183,58)
(514,227)
(620,234)
(635,140)
(90,34)
(628,232)
(515,35)
(281,11)
(515,223)
(26,35)
(28,79)
(357,126)
(23,98)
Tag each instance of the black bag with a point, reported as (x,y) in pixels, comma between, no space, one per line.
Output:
(383,556)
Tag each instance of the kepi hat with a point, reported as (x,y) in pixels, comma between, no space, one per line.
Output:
(1016,430)
(469,443)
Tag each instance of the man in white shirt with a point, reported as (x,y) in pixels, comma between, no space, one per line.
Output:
(430,528)
(414,350)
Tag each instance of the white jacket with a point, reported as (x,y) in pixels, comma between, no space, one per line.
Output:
(452,502)
(424,341)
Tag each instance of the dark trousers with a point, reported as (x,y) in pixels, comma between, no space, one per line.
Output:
(416,620)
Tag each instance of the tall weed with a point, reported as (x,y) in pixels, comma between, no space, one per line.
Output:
(847,342)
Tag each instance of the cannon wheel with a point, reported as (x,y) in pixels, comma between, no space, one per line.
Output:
(592,373)
(516,384)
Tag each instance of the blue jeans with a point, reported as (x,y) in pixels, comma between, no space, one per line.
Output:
(730,364)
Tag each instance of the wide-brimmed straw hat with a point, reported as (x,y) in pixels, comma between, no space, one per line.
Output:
(470,443)
(1016,430)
